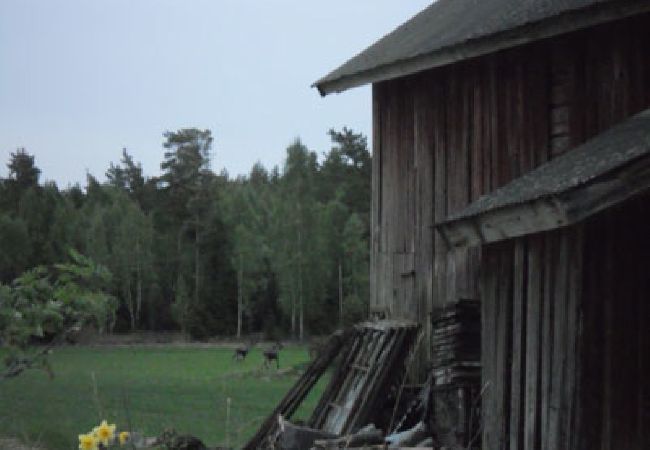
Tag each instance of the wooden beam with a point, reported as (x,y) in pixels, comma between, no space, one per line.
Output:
(551,212)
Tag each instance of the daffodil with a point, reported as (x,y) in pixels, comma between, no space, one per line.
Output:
(105,432)
(88,442)
(124,437)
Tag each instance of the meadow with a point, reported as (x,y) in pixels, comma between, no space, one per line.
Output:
(150,387)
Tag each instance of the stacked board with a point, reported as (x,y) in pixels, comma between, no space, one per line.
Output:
(456,340)
(456,373)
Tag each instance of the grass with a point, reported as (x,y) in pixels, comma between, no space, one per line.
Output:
(153,388)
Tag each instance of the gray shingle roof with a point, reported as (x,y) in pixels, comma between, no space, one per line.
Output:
(617,147)
(452,30)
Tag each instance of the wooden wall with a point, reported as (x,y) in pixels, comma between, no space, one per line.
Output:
(531,290)
(566,336)
(444,137)
(615,345)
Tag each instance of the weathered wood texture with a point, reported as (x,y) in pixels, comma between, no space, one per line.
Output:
(372,363)
(531,290)
(567,313)
(553,378)
(444,137)
(615,352)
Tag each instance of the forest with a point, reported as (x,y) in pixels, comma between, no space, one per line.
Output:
(280,252)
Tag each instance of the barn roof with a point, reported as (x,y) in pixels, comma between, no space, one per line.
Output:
(600,173)
(452,30)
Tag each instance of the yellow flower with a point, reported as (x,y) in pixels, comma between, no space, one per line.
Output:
(87,442)
(124,437)
(105,432)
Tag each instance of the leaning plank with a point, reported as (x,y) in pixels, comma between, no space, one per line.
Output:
(392,366)
(354,394)
(350,350)
(290,403)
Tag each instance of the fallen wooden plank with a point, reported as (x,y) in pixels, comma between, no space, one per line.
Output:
(290,403)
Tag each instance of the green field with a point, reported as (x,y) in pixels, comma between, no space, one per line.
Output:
(152,388)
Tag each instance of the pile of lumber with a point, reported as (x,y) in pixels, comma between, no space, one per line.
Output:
(373,366)
(456,374)
(359,396)
(456,341)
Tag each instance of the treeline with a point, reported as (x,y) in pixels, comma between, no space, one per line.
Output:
(281,251)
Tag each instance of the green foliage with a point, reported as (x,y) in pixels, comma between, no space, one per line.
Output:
(182,303)
(15,245)
(200,252)
(23,173)
(45,303)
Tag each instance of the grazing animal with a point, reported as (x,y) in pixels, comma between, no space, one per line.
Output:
(241,352)
(272,354)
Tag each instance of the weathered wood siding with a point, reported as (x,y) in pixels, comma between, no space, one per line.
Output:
(614,387)
(566,336)
(531,303)
(445,137)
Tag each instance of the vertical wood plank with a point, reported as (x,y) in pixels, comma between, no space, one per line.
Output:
(557,404)
(643,406)
(547,374)
(574,321)
(591,345)
(533,314)
(518,368)
(424,143)
(440,189)
(375,207)
(607,305)
(503,325)
(489,377)
(643,326)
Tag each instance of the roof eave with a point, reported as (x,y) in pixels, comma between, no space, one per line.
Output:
(554,26)
(550,212)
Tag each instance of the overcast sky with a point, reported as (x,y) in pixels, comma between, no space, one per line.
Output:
(81,79)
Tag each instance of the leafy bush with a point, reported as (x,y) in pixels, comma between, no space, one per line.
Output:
(46,304)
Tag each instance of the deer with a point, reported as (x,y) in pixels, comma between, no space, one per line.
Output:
(272,354)
(241,351)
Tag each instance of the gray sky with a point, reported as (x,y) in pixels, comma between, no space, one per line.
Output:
(80,79)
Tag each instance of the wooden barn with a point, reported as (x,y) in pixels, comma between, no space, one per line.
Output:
(511,166)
